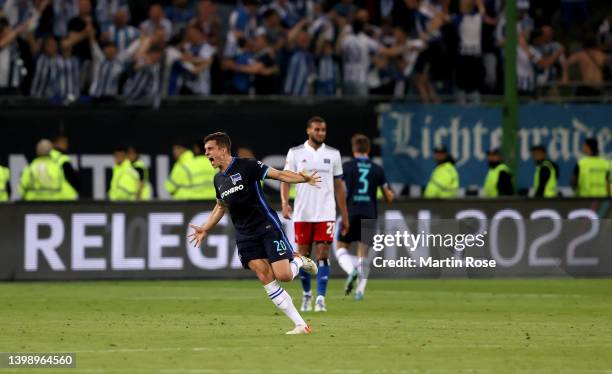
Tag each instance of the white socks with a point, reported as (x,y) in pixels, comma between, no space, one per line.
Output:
(364,272)
(295,265)
(361,285)
(283,301)
(345,260)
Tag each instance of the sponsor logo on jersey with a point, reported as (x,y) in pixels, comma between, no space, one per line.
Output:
(326,161)
(235,178)
(239,187)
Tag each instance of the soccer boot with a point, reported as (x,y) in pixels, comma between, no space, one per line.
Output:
(306,304)
(358,296)
(350,282)
(299,329)
(310,267)
(320,304)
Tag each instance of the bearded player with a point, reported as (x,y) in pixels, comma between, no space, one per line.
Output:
(314,215)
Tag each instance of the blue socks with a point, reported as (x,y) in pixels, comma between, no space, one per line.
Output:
(322,277)
(305,279)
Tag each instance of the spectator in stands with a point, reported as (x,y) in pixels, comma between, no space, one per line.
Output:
(244,68)
(345,9)
(63,11)
(328,70)
(145,80)
(525,23)
(429,20)
(405,52)
(108,66)
(322,23)
(196,61)
(243,19)
(470,69)
(267,81)
(301,70)
(272,28)
(11,63)
(17,12)
(242,26)
(157,23)
(550,68)
(285,9)
(106,11)
(120,33)
(179,14)
(382,76)
(527,58)
(79,28)
(208,22)
(591,62)
(356,49)
(56,75)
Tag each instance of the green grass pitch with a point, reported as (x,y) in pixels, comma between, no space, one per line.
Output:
(231,327)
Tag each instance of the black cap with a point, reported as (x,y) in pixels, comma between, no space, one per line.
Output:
(538,147)
(440,148)
(494,151)
(593,145)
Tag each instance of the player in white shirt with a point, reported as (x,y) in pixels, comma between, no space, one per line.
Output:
(314,215)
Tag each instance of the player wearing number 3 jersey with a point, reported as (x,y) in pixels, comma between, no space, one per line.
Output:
(314,212)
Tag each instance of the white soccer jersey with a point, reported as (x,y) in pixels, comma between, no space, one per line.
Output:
(314,204)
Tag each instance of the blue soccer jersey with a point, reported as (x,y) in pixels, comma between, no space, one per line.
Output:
(362,178)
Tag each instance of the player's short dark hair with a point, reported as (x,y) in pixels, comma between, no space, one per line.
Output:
(221,138)
(360,143)
(538,148)
(315,119)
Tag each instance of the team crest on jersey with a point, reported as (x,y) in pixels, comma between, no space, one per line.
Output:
(326,161)
(235,178)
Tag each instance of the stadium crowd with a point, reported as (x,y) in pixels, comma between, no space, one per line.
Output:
(69,50)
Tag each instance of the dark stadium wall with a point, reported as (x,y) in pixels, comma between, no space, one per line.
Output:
(99,240)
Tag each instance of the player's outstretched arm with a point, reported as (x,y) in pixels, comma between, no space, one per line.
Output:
(288,176)
(200,232)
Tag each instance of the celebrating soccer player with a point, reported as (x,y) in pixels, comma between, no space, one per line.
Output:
(262,244)
(362,178)
(314,215)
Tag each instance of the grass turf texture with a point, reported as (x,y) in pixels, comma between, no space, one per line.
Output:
(231,326)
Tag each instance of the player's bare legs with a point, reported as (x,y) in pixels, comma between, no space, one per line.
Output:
(322,249)
(304,250)
(265,273)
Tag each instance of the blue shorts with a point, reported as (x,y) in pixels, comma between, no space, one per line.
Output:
(270,244)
